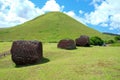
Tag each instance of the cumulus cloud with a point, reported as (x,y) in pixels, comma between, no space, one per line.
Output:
(106,13)
(52,5)
(70,13)
(73,15)
(18,11)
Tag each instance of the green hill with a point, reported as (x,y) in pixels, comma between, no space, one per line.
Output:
(50,27)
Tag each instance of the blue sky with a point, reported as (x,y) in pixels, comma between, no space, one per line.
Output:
(102,15)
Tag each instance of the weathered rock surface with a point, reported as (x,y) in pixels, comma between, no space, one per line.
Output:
(83,41)
(26,52)
(66,44)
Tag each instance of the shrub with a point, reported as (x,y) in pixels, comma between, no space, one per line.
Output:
(96,41)
(117,38)
(110,41)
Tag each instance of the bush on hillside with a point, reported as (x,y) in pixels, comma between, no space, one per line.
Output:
(109,41)
(96,41)
(117,38)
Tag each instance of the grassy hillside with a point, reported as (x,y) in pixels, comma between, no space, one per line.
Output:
(50,27)
(91,63)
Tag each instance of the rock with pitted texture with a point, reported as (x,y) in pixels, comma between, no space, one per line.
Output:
(83,41)
(67,44)
(26,52)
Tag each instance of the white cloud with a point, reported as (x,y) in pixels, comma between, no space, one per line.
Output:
(18,11)
(104,25)
(115,22)
(106,13)
(52,5)
(81,12)
(73,15)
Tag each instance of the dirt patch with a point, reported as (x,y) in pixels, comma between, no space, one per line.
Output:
(101,63)
(104,63)
(87,70)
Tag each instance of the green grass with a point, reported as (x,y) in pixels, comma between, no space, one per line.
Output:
(50,27)
(4,46)
(83,63)
(115,44)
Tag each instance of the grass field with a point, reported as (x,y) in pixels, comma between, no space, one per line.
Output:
(115,44)
(83,63)
(4,46)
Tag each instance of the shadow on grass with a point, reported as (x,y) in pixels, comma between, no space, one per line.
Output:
(70,49)
(66,48)
(42,61)
(85,46)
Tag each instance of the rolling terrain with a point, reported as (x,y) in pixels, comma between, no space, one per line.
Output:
(50,27)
